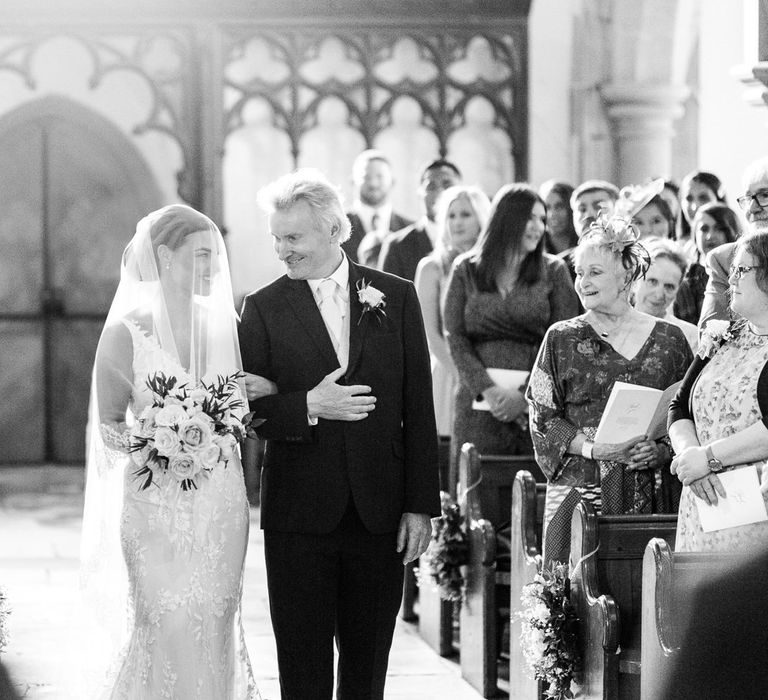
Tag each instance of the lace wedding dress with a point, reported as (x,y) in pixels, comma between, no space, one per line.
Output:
(184,552)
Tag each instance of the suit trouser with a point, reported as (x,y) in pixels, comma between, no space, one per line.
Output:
(345,584)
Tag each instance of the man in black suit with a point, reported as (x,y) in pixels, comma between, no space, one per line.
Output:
(350,477)
(371,216)
(403,250)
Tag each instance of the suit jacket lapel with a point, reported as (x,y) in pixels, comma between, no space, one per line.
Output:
(300,297)
(357,320)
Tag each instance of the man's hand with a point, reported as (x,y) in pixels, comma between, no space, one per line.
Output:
(333,401)
(413,535)
(256,386)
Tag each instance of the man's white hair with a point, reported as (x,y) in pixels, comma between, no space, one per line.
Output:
(313,187)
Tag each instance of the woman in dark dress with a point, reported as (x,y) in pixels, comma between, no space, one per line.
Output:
(579,361)
(502,296)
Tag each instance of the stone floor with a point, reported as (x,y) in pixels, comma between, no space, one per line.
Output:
(40,512)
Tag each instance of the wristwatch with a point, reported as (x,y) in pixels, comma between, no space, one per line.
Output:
(715,465)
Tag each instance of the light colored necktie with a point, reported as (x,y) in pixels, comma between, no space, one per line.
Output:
(331,311)
(375,223)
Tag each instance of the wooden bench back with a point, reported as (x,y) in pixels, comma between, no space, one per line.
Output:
(606,588)
(669,580)
(525,554)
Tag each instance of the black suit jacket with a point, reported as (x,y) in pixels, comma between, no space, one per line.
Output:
(352,245)
(403,250)
(387,461)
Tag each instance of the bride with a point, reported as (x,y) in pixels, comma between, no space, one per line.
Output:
(163,551)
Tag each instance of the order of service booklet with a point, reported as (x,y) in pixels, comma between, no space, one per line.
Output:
(742,505)
(634,410)
(506,379)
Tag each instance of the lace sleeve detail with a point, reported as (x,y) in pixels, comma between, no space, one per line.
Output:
(114,440)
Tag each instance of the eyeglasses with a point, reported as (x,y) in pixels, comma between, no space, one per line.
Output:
(738,271)
(761,197)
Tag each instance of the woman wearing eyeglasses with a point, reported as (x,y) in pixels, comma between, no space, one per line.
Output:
(718,421)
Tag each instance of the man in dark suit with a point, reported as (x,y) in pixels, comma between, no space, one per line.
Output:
(371,216)
(350,477)
(718,261)
(403,250)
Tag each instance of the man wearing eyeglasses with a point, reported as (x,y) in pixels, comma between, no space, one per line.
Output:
(754,204)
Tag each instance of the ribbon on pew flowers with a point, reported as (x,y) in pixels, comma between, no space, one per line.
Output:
(448,552)
(549,636)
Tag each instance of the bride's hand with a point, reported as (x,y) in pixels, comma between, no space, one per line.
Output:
(256,386)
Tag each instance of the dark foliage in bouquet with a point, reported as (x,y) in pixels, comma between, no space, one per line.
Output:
(549,634)
(188,431)
(448,551)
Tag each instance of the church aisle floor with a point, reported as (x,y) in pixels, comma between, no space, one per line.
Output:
(40,517)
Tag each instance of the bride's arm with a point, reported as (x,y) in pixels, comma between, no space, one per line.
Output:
(113,385)
(257,386)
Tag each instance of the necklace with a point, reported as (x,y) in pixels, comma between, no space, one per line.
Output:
(601,329)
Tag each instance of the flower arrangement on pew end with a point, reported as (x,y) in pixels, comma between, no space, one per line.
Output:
(188,432)
(550,630)
(448,551)
(4,612)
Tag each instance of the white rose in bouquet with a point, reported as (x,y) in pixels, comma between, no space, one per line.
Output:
(167,442)
(184,466)
(196,432)
(170,414)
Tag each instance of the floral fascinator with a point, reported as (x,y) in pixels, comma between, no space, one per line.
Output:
(618,234)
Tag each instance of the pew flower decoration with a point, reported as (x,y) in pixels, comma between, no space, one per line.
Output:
(448,551)
(187,432)
(715,333)
(549,630)
(4,612)
(372,299)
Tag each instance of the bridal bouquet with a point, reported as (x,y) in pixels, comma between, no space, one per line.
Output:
(549,628)
(187,432)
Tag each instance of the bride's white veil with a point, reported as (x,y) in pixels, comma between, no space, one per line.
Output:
(175,291)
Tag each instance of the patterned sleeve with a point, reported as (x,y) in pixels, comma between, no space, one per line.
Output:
(550,431)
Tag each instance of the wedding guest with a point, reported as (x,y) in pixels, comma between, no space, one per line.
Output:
(754,204)
(655,219)
(714,224)
(502,296)
(371,216)
(717,420)
(402,251)
(560,234)
(579,361)
(656,292)
(589,199)
(461,213)
(671,195)
(696,189)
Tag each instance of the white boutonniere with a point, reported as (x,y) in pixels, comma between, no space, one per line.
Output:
(371,298)
(715,333)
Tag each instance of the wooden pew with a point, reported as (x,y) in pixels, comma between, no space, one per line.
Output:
(668,581)
(485,488)
(525,561)
(435,614)
(606,591)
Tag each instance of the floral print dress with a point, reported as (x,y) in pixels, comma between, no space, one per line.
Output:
(568,390)
(724,401)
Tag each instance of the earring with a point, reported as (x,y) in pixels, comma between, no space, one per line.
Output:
(167,266)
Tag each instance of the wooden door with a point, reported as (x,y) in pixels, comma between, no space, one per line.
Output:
(71,190)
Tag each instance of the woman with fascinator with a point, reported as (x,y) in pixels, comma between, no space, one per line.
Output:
(577,365)
(165,524)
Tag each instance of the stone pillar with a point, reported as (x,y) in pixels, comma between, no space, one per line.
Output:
(642,123)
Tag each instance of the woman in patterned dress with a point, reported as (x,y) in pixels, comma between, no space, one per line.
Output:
(718,420)
(579,361)
(502,296)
